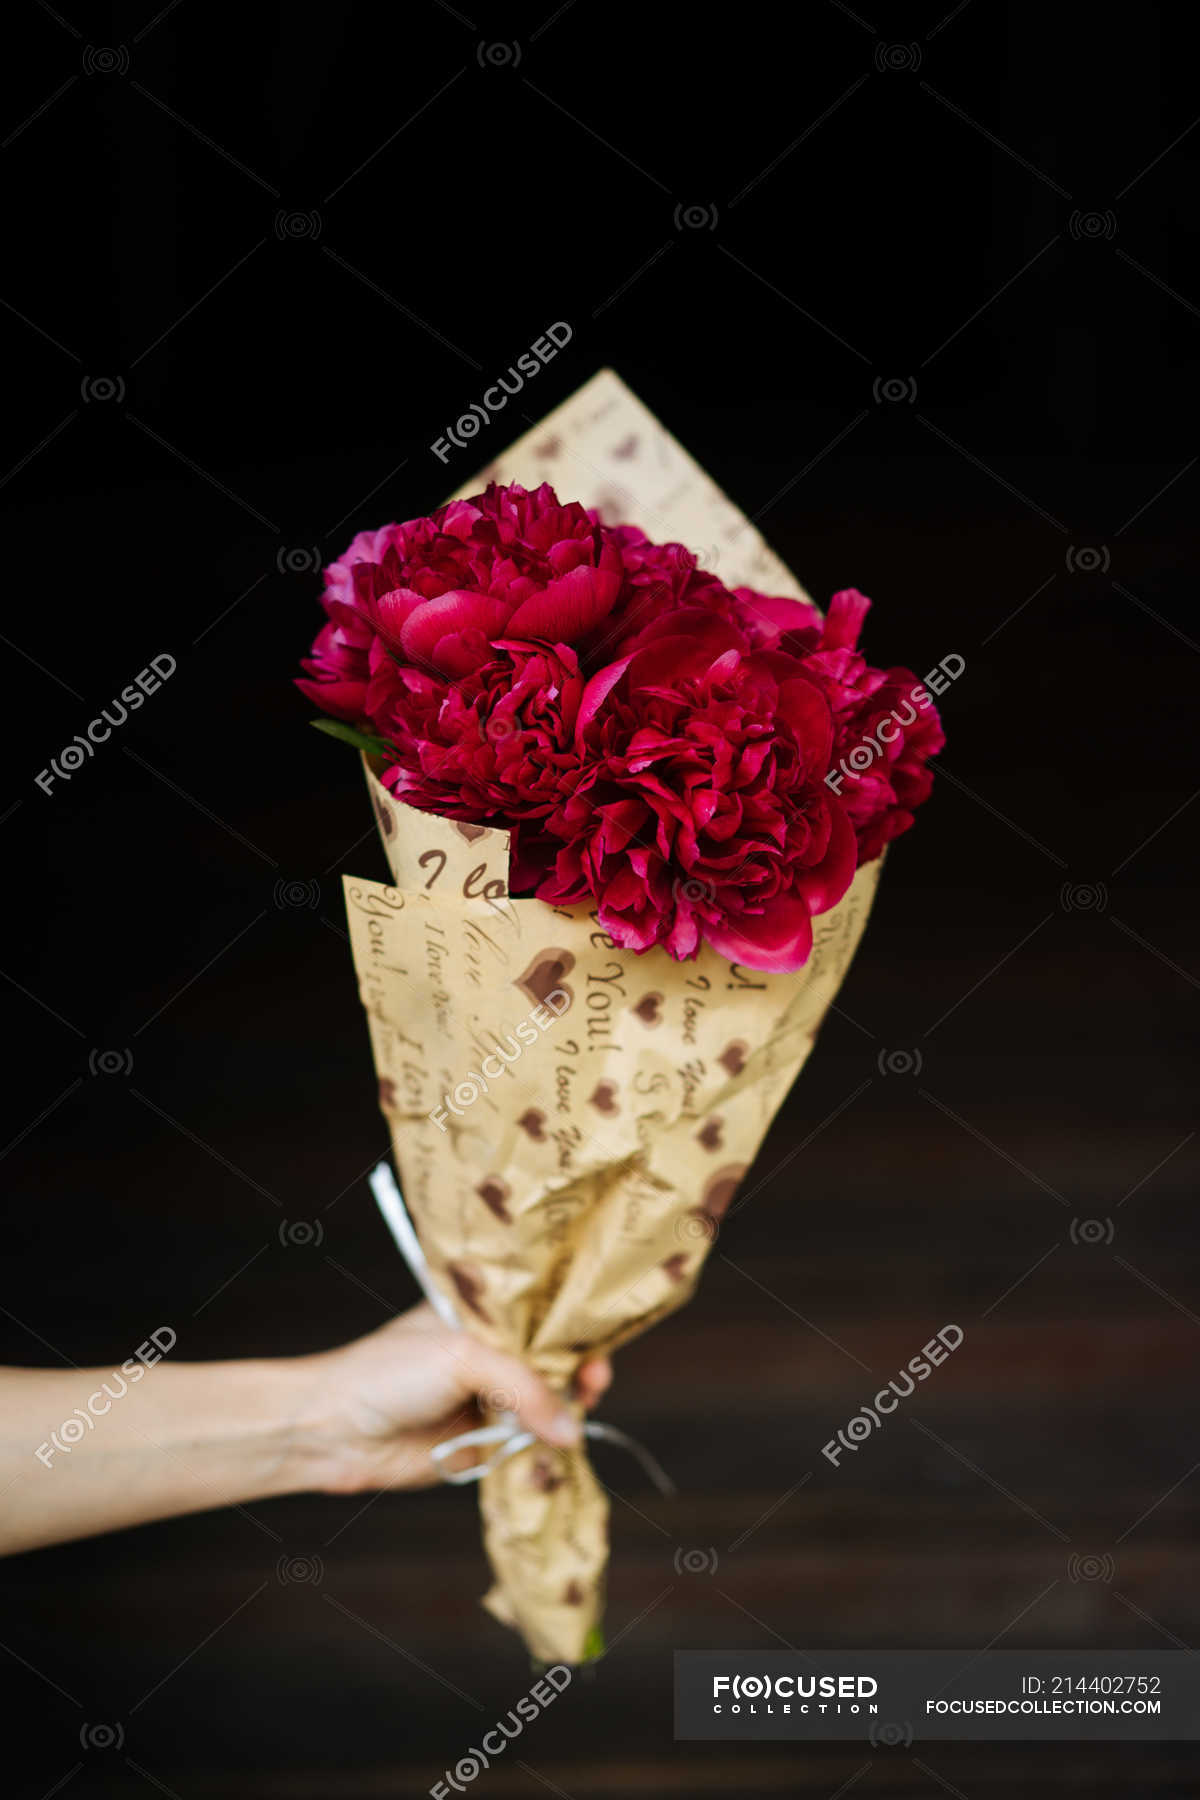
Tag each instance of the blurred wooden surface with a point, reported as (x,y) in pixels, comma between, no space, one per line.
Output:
(1034,1490)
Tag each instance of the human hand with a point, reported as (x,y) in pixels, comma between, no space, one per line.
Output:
(379,1405)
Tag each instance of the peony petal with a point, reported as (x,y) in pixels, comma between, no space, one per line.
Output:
(568,608)
(824,885)
(666,661)
(806,710)
(457,519)
(390,611)
(767,616)
(596,693)
(844,621)
(683,939)
(460,653)
(456,610)
(341,699)
(623,820)
(725,666)
(348,620)
(637,934)
(778,940)
(696,624)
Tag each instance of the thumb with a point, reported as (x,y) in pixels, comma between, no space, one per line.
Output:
(503,1383)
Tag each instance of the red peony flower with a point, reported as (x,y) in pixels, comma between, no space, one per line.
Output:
(436,594)
(704,764)
(702,810)
(454,647)
(885,725)
(659,579)
(338,667)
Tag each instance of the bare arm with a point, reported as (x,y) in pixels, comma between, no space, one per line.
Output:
(91,1450)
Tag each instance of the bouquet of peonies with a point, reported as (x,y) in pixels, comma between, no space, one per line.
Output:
(634,817)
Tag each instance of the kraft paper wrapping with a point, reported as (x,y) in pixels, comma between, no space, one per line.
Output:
(570,1121)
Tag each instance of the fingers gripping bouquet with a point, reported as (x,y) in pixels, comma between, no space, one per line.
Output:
(634,818)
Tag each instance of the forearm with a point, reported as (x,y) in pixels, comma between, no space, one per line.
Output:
(88,1450)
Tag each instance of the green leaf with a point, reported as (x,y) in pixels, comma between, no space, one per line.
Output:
(360,739)
(594,1645)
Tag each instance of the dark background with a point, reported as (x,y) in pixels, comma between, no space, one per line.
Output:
(256,267)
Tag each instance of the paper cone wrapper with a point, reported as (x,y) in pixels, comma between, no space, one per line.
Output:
(571,1121)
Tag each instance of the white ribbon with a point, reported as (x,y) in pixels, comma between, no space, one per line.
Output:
(506,1434)
(395,1216)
